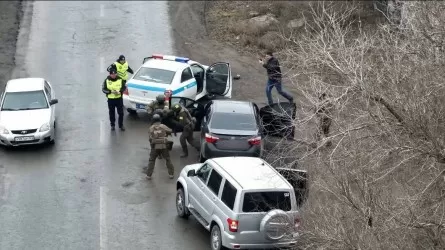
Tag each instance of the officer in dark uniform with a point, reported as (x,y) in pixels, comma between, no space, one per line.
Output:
(113,87)
(187,122)
(158,142)
(121,65)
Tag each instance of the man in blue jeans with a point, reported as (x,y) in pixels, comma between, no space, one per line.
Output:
(274,77)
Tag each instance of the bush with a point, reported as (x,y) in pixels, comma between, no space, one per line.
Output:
(380,185)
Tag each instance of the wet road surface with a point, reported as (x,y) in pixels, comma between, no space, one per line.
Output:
(88,191)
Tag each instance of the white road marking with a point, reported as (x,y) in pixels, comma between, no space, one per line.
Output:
(103,219)
(102,10)
(102,136)
(102,63)
(6,185)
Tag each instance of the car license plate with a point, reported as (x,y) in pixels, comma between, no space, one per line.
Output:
(140,106)
(24,138)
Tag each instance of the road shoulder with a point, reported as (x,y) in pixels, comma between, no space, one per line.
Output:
(11,14)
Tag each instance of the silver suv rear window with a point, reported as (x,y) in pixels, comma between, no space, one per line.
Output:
(255,202)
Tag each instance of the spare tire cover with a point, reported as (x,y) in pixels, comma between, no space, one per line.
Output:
(276,224)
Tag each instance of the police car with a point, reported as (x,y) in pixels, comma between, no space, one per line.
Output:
(177,76)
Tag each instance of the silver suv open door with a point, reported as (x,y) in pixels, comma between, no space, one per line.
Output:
(299,181)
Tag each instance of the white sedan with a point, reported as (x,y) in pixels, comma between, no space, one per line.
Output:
(27,112)
(178,76)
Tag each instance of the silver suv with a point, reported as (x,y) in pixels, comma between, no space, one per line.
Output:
(243,201)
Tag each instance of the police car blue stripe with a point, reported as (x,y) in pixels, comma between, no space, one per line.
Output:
(157,89)
(179,90)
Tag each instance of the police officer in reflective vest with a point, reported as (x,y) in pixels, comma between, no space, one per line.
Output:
(113,87)
(187,122)
(121,65)
(158,133)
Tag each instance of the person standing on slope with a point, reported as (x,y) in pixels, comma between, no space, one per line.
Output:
(274,77)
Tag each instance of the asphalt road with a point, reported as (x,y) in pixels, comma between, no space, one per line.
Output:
(88,191)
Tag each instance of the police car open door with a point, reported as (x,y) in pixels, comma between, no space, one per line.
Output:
(299,181)
(278,119)
(218,80)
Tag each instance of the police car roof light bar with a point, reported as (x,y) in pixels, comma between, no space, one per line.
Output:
(170,58)
(157,56)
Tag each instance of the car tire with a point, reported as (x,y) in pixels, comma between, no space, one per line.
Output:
(181,208)
(132,111)
(215,238)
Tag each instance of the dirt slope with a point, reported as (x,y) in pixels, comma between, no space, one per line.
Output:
(192,40)
(188,19)
(10,15)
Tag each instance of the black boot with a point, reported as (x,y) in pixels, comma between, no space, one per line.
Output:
(185,153)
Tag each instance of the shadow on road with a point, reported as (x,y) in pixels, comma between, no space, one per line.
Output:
(27,149)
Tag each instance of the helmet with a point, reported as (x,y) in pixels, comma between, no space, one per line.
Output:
(160,98)
(176,108)
(156,118)
(158,112)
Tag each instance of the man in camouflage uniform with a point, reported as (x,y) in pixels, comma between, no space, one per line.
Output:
(324,114)
(158,106)
(158,142)
(187,122)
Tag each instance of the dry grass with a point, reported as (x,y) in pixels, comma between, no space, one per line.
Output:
(381,184)
(226,21)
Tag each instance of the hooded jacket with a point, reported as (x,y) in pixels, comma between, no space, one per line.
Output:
(273,69)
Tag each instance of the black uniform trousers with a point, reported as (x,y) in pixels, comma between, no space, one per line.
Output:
(114,104)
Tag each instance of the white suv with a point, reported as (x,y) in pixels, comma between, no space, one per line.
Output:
(243,201)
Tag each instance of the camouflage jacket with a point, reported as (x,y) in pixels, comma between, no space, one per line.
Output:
(183,118)
(154,105)
(325,108)
(159,144)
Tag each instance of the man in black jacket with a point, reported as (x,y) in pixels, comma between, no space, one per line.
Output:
(113,87)
(274,77)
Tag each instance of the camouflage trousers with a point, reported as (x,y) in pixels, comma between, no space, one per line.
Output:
(187,136)
(154,153)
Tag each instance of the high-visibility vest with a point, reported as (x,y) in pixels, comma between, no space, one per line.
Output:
(122,70)
(114,85)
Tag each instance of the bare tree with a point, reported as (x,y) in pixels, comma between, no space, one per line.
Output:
(381,185)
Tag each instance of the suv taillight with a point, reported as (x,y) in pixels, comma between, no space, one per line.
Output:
(255,140)
(211,139)
(125,91)
(233,225)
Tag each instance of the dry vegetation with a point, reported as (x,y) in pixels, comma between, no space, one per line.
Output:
(228,21)
(381,183)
